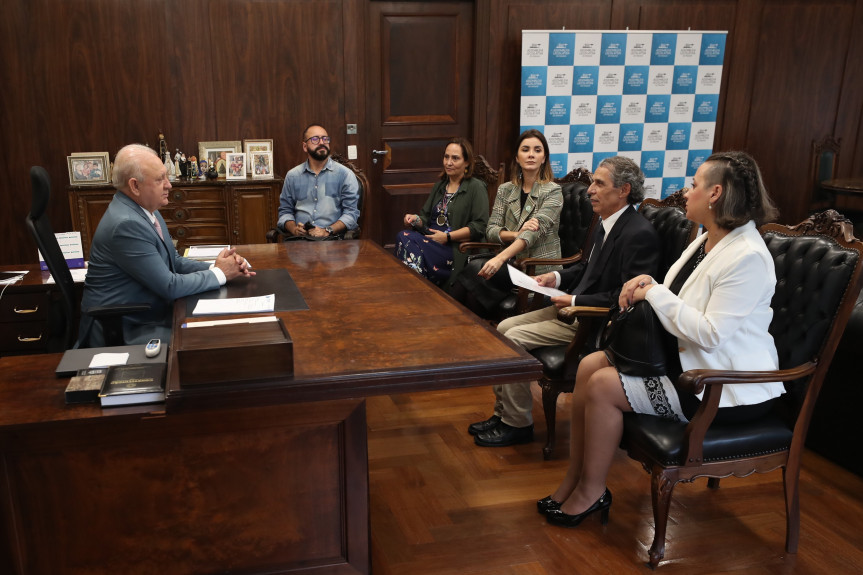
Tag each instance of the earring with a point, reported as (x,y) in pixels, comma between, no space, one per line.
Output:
(709,206)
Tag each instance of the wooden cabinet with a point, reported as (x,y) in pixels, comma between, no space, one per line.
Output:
(31,314)
(198,212)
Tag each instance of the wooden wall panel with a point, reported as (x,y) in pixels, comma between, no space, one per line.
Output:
(93,75)
(792,105)
(96,75)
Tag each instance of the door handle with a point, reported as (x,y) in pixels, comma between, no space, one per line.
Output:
(378,153)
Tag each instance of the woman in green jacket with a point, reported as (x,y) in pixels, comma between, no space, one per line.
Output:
(456,211)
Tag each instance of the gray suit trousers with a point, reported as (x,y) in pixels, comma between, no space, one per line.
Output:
(513,402)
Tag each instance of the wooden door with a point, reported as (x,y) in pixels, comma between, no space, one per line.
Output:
(419,95)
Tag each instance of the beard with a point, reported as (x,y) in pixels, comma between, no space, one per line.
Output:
(320,153)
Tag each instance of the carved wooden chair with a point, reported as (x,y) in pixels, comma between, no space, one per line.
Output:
(576,226)
(560,362)
(823,166)
(492,178)
(818,276)
(275,235)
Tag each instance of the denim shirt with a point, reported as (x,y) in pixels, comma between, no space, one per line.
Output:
(320,198)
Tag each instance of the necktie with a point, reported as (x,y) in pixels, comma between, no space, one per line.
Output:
(159,229)
(598,237)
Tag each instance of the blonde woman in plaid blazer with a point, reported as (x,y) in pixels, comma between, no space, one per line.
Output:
(525,218)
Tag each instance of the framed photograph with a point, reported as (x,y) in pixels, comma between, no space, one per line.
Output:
(261,164)
(89,168)
(236,166)
(216,154)
(251,146)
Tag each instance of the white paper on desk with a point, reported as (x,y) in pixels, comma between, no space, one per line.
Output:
(12,279)
(205,251)
(109,359)
(521,279)
(78,276)
(258,304)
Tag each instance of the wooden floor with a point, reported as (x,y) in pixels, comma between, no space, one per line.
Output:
(441,505)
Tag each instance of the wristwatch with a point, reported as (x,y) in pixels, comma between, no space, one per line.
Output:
(329,230)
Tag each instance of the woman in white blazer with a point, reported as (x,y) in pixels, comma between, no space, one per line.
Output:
(715,301)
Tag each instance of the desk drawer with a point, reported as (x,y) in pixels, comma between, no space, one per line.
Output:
(24,307)
(23,337)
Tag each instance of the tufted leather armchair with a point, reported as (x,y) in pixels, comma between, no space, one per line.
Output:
(560,362)
(819,273)
(275,235)
(576,226)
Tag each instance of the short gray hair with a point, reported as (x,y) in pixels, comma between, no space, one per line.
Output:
(127,165)
(625,171)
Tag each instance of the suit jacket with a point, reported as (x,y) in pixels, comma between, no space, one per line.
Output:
(722,313)
(130,263)
(544,203)
(631,248)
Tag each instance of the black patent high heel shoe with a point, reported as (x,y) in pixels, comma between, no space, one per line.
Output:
(561,519)
(547,504)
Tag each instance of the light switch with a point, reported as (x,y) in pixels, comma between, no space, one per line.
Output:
(352,152)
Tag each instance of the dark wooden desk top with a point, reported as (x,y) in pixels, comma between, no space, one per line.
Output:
(373,327)
(844,185)
(34,276)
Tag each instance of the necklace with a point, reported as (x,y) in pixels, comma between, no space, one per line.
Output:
(700,255)
(444,204)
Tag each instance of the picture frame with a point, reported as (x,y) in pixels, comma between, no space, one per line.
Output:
(89,168)
(216,154)
(236,166)
(250,146)
(261,165)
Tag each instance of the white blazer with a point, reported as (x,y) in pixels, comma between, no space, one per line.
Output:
(723,312)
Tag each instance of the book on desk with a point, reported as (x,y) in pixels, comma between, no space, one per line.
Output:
(133,384)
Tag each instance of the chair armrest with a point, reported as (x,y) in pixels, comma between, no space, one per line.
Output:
(570,313)
(475,246)
(711,381)
(274,235)
(530,264)
(695,380)
(116,310)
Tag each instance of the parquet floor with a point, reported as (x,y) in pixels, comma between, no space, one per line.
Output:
(440,505)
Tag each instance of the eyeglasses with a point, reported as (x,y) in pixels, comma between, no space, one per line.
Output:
(315,140)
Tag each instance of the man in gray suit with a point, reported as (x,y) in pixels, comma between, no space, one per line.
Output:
(132,258)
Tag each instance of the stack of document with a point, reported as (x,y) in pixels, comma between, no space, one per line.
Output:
(205,253)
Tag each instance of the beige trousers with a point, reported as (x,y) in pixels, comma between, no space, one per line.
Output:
(513,402)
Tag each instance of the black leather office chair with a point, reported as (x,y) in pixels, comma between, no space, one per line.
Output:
(560,362)
(576,227)
(39,224)
(275,235)
(819,273)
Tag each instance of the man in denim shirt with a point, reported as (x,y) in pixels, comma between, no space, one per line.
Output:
(319,198)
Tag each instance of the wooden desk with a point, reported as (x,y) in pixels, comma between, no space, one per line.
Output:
(259,477)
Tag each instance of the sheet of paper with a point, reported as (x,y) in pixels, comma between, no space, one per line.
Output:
(521,279)
(78,276)
(258,304)
(11,277)
(205,251)
(109,359)
(259,319)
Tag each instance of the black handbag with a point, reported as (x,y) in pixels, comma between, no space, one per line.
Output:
(634,340)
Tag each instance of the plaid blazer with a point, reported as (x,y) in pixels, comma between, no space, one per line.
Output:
(544,203)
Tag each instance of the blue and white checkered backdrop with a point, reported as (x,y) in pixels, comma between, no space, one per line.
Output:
(650,96)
